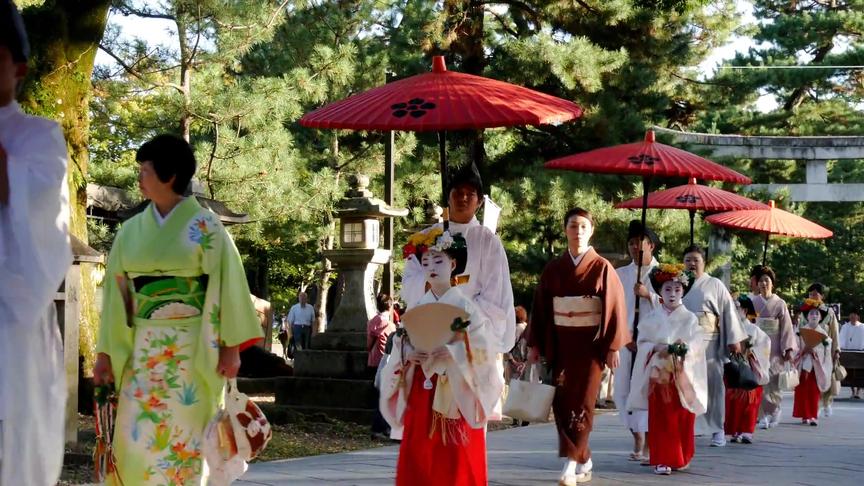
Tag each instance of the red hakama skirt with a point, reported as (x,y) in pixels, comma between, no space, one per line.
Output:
(428,457)
(671,427)
(807,396)
(742,410)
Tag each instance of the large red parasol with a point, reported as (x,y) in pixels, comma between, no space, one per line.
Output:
(443,100)
(647,159)
(694,197)
(771,221)
(440,101)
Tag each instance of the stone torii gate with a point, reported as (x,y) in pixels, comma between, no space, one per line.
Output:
(815,151)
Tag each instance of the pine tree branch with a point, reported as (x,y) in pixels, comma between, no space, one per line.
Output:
(696,81)
(130,69)
(797,97)
(503,22)
(535,16)
(127,10)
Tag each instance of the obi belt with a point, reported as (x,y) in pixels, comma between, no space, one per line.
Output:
(169,297)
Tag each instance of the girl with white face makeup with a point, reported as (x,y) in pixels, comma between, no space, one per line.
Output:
(814,363)
(438,402)
(669,372)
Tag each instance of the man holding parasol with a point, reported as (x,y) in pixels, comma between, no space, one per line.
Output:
(486,275)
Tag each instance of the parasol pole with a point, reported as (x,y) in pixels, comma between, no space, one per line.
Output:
(645,180)
(442,157)
(692,217)
(765,250)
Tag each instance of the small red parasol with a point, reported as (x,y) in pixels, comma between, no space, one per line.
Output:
(771,221)
(647,159)
(441,101)
(694,197)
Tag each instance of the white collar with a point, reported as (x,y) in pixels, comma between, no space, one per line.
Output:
(461,227)
(578,258)
(160,220)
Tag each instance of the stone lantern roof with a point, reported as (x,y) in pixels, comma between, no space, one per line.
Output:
(359,202)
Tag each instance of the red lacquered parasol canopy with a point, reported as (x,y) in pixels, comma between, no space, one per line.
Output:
(443,100)
(647,159)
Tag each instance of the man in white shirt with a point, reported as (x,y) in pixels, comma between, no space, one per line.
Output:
(637,237)
(486,279)
(300,318)
(852,339)
(34,256)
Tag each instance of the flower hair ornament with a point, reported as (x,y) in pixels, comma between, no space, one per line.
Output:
(670,272)
(813,304)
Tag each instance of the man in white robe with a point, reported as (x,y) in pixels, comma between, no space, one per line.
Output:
(487,270)
(852,339)
(713,305)
(635,420)
(852,334)
(34,257)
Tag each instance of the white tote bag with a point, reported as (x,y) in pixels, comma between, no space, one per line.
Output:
(529,401)
(788,378)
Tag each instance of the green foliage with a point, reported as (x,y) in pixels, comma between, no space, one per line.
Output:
(810,102)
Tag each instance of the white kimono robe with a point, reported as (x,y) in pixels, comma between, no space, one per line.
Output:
(34,256)
(488,284)
(662,327)
(635,420)
(476,386)
(852,337)
(709,297)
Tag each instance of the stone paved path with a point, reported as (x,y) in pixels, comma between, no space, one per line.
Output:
(791,454)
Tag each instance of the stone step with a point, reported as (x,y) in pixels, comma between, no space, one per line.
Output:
(340,340)
(256,386)
(326,393)
(327,363)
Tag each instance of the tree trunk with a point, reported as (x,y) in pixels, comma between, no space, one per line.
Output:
(327,243)
(64,38)
(185,76)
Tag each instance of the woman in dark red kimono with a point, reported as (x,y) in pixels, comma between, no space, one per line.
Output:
(578,324)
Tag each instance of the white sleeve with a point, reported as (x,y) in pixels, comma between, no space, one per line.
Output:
(413,282)
(34,226)
(495,297)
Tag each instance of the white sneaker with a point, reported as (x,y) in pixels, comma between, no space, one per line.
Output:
(584,468)
(828,411)
(662,470)
(764,424)
(718,439)
(775,418)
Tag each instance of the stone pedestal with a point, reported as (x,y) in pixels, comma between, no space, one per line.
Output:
(333,376)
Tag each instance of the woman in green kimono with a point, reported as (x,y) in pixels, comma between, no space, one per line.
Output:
(176,313)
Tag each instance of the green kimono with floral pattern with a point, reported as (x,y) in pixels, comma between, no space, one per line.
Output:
(173,295)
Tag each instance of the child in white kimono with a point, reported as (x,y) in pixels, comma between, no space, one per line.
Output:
(441,400)
(669,373)
(814,364)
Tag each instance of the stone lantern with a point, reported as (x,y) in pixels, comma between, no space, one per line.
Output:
(357,260)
